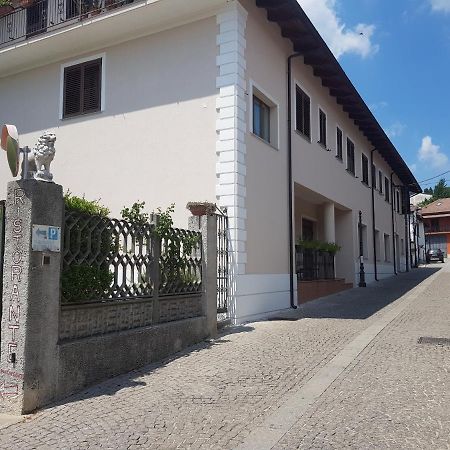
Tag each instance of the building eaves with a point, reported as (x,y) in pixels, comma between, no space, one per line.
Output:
(296,26)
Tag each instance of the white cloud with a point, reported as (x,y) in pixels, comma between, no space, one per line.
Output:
(396,130)
(431,154)
(336,34)
(440,5)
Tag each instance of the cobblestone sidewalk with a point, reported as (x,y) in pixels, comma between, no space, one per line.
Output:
(215,394)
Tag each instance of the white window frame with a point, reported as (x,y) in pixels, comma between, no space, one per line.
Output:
(101,56)
(274,105)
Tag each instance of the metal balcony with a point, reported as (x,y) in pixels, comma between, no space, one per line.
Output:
(47,15)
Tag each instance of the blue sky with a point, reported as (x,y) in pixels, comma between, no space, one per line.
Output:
(401,67)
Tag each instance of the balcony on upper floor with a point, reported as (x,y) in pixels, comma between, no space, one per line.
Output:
(33,18)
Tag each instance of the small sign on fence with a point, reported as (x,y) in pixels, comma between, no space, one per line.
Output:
(46,238)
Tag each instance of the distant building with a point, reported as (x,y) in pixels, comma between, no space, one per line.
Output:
(417,233)
(436,217)
(419,198)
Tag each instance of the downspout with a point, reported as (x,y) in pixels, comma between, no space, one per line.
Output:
(290,178)
(407,227)
(393,226)
(374,177)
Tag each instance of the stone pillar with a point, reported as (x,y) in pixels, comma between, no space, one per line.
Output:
(329,222)
(207,225)
(31,298)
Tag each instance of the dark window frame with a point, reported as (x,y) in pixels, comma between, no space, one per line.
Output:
(339,143)
(79,94)
(303,113)
(351,156)
(374,176)
(322,128)
(380,180)
(264,108)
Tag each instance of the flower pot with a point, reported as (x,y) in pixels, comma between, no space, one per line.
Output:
(5,10)
(25,3)
(201,208)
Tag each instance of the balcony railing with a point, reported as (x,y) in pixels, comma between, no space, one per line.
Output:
(314,265)
(437,229)
(44,15)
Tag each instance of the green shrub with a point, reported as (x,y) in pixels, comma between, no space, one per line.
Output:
(5,3)
(82,283)
(329,247)
(81,205)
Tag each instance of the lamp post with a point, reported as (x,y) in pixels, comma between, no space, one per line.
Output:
(362,275)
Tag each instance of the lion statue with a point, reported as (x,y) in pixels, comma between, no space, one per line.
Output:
(40,158)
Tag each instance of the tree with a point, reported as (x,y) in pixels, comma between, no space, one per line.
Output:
(441,190)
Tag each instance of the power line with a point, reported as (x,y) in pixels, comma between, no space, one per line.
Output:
(432,182)
(437,176)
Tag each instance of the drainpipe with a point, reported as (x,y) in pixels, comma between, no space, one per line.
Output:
(393,226)
(374,177)
(290,177)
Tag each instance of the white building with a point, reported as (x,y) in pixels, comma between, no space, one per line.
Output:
(419,198)
(176,101)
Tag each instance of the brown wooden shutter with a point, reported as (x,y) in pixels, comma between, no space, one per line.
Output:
(72,90)
(92,86)
(307,115)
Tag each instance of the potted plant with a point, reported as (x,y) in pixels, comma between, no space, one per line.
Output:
(5,7)
(23,3)
(201,208)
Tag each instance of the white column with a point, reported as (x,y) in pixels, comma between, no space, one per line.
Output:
(329,222)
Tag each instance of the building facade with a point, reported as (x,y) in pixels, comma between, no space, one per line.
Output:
(436,217)
(173,101)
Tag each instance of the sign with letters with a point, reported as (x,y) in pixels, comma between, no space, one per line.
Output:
(46,238)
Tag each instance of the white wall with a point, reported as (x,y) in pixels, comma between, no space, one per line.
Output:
(155,139)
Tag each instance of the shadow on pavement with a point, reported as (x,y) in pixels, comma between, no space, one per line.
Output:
(133,379)
(361,303)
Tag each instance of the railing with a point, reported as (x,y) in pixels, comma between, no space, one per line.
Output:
(44,15)
(113,259)
(314,265)
(438,229)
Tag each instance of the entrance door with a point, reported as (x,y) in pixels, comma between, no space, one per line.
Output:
(307,230)
(37,18)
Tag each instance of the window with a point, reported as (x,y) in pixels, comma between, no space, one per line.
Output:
(322,128)
(402,246)
(339,143)
(307,230)
(397,195)
(374,176)
(387,248)
(303,113)
(386,190)
(380,181)
(82,88)
(350,156)
(261,119)
(365,169)
(264,117)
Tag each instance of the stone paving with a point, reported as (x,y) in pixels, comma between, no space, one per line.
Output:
(394,395)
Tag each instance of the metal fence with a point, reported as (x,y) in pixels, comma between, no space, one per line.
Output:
(314,265)
(114,259)
(222,262)
(43,15)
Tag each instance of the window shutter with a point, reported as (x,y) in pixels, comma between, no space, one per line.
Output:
(299,117)
(72,91)
(307,115)
(91,86)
